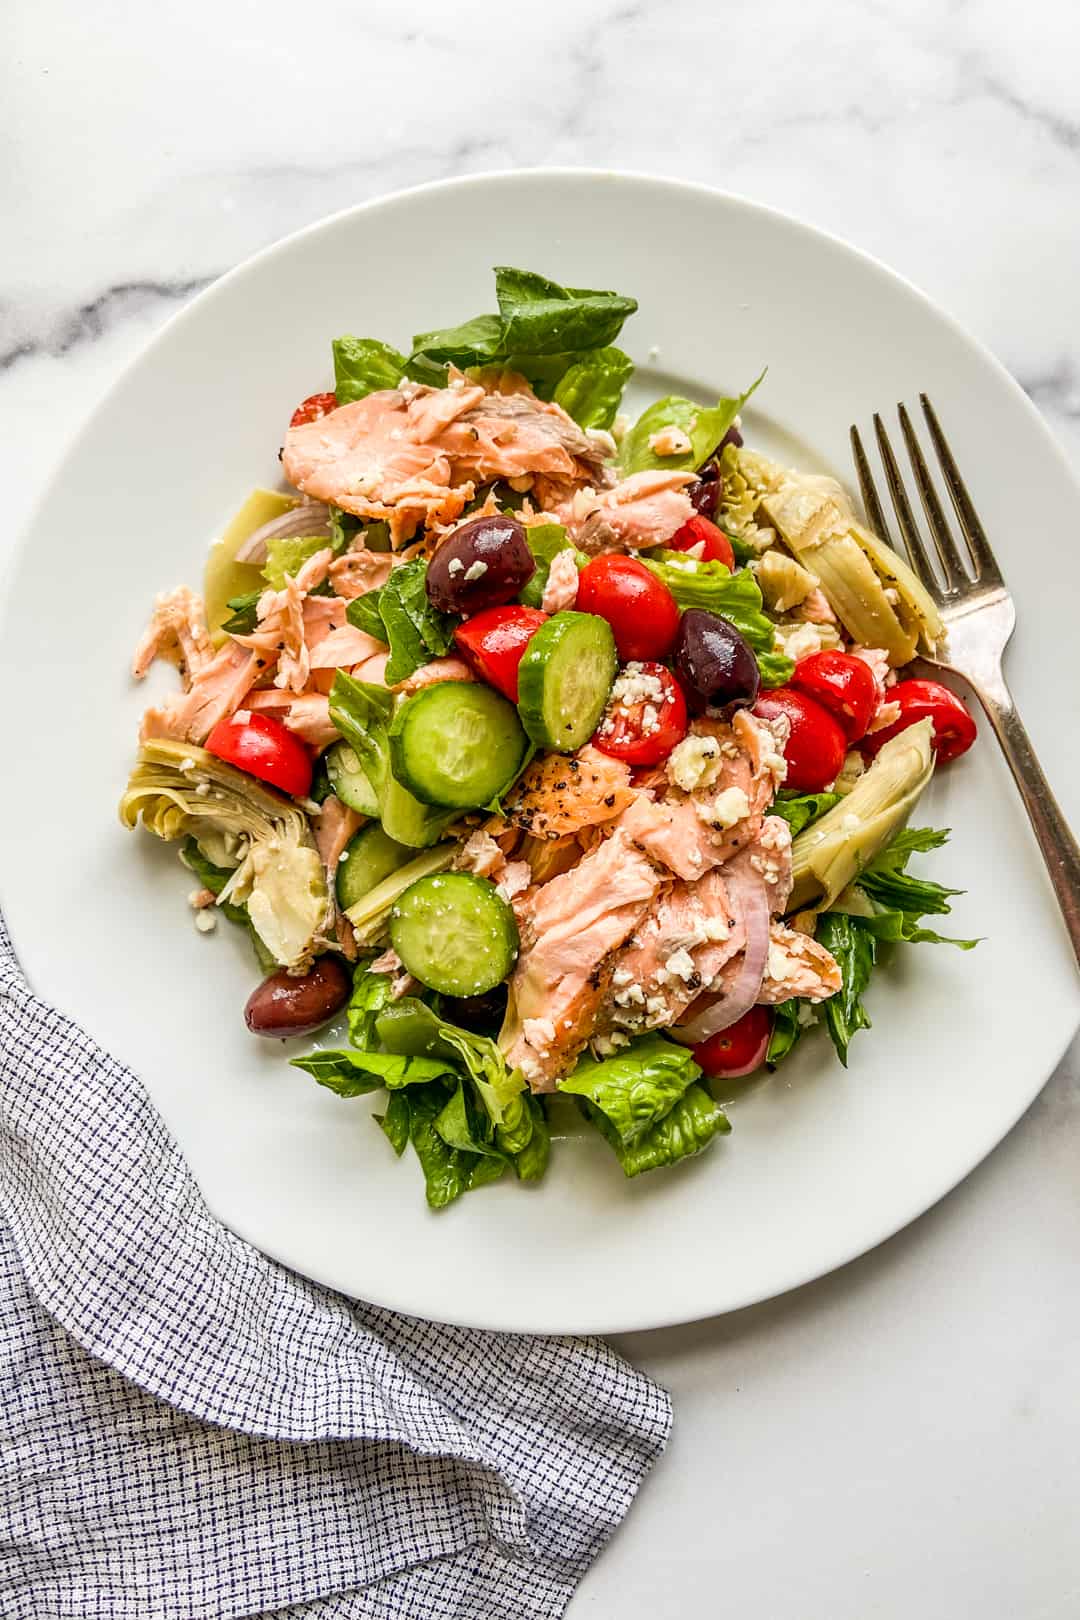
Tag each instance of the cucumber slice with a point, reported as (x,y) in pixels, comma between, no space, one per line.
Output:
(369,857)
(407,820)
(564,679)
(456,744)
(455,933)
(349,780)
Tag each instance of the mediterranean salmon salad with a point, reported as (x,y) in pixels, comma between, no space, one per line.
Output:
(565,761)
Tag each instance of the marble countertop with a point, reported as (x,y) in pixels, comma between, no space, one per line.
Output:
(901,1438)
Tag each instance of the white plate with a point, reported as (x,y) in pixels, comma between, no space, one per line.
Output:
(822,1163)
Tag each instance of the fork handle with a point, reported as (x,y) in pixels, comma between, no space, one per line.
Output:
(1059,848)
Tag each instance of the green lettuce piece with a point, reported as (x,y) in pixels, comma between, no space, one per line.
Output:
(855,950)
(787,1031)
(363,366)
(478,342)
(637,1087)
(545,540)
(409,1026)
(464,1126)
(799,810)
(394,1124)
(244,617)
(735,597)
(704,426)
(415,631)
(352,1074)
(531,1161)
(448,1172)
(591,389)
(688,1128)
(363,613)
(286,554)
(541,317)
(371,992)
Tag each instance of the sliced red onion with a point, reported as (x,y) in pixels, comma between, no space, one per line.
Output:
(310,517)
(747,891)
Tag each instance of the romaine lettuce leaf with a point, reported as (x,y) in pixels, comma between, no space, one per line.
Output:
(541,317)
(637,1087)
(415,631)
(855,950)
(371,992)
(364,614)
(531,1161)
(478,342)
(394,1124)
(787,1031)
(591,389)
(409,1026)
(704,426)
(799,810)
(448,1172)
(363,366)
(736,597)
(686,1129)
(352,1074)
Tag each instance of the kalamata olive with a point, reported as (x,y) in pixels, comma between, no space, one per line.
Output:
(484,1014)
(714,663)
(483,564)
(705,491)
(295,1004)
(732,437)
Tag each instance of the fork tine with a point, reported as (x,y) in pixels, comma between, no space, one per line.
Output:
(956,574)
(982,557)
(912,540)
(871,505)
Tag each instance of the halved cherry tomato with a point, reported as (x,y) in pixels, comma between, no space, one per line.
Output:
(313,409)
(642,613)
(643,729)
(492,642)
(263,747)
(739,1049)
(842,684)
(698,531)
(954,728)
(816,747)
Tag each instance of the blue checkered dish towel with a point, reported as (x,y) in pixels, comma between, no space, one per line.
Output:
(190,1432)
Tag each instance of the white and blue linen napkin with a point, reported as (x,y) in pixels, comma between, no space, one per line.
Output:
(190,1432)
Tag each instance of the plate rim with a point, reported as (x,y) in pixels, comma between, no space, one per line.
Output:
(602,1322)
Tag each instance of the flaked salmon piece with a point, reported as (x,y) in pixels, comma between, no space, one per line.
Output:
(342,647)
(279,635)
(561,585)
(413,455)
(797,966)
(177,631)
(306,713)
(689,934)
(559,795)
(643,510)
(372,670)
(549,857)
(217,690)
(334,826)
(360,571)
(575,924)
(814,608)
(440,669)
(480,854)
(770,857)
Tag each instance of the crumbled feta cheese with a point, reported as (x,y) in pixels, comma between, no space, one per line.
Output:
(781,964)
(538,1032)
(800,640)
(681,964)
(806,1015)
(670,441)
(202,790)
(654,351)
(725,810)
(206,921)
(621,976)
(716,928)
(632,996)
(694,762)
(187,763)
(455,566)
(637,685)
(656,1007)
(475,570)
(887,715)
(242,717)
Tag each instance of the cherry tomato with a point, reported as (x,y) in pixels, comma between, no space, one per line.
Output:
(642,726)
(492,643)
(313,409)
(842,684)
(816,747)
(263,747)
(698,531)
(642,613)
(739,1049)
(954,728)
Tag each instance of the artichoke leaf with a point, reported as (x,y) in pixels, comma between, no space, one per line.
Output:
(829,855)
(180,791)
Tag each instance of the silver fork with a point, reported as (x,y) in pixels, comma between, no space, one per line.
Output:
(979,617)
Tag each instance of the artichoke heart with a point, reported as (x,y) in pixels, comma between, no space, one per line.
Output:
(180,791)
(831,853)
(873,592)
(746,477)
